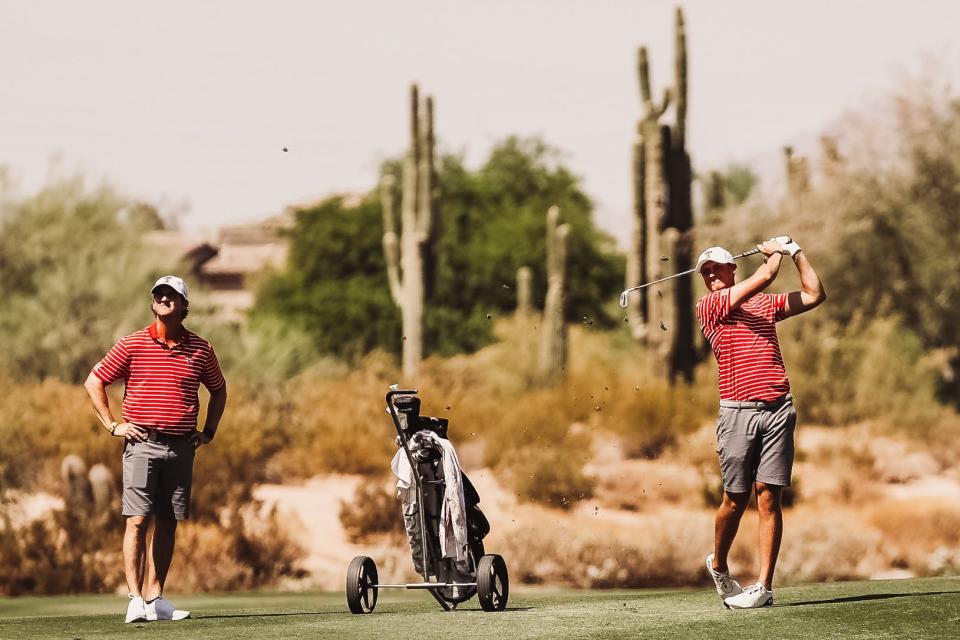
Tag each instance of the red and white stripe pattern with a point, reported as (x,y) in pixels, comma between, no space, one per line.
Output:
(161,383)
(745,344)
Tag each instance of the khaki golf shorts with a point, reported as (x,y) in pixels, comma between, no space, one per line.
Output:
(157,477)
(755,443)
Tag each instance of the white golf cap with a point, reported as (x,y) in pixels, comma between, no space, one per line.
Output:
(175,283)
(714,254)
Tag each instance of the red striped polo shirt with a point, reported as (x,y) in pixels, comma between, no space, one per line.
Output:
(161,383)
(745,344)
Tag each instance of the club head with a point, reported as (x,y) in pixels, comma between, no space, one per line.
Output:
(623,300)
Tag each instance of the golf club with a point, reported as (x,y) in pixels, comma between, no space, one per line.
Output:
(623,296)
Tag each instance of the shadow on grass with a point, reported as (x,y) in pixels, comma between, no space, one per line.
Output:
(870,596)
(228,616)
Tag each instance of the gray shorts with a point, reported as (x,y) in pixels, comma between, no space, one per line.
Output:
(157,477)
(755,443)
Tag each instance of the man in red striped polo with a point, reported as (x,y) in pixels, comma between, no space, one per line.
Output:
(757,418)
(162,366)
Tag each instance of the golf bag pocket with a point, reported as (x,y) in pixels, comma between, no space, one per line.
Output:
(477,524)
(411,524)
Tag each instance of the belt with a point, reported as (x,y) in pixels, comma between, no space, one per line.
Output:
(156,435)
(755,404)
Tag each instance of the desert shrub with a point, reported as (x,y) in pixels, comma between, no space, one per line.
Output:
(583,554)
(547,475)
(830,545)
(340,425)
(374,509)
(920,535)
(651,417)
(640,485)
(62,552)
(868,369)
(43,422)
(251,549)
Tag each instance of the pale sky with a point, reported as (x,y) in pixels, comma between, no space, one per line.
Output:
(192,103)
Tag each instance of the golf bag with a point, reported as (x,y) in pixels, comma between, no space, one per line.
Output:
(442,518)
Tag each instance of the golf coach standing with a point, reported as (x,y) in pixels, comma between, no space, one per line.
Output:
(162,367)
(757,417)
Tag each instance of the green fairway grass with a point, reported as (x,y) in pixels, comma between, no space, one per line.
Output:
(923,608)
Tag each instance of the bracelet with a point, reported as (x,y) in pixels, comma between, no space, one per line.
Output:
(113,427)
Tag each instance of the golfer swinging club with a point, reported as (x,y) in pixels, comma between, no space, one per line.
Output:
(757,417)
(162,367)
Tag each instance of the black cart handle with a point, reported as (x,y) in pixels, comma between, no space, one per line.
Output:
(396,423)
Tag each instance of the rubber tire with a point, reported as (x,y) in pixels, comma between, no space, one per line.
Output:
(361,574)
(493,583)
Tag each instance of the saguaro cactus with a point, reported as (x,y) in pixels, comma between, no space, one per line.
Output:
(662,240)
(524,291)
(406,256)
(682,352)
(553,341)
(649,201)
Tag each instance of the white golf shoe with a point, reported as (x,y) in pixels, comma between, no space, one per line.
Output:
(726,586)
(753,597)
(136,610)
(163,609)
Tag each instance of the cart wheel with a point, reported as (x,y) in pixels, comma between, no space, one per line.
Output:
(362,585)
(493,583)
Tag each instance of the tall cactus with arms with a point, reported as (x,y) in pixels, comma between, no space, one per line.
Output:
(662,240)
(553,340)
(406,254)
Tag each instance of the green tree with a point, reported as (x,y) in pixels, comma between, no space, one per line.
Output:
(74,276)
(740,181)
(491,222)
(335,285)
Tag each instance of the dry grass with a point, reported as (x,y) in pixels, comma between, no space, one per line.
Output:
(373,511)
(922,536)
(663,549)
(829,544)
(253,551)
(644,485)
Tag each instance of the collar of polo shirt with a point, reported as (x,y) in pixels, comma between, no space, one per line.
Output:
(152,330)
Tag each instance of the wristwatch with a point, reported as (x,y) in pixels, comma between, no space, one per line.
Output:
(113,427)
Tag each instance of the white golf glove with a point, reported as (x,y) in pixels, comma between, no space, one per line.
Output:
(790,247)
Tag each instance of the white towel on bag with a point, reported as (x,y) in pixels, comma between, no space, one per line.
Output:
(453,511)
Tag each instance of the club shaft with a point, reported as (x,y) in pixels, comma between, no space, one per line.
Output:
(689,271)
(677,275)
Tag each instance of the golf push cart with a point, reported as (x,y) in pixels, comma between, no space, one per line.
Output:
(423,441)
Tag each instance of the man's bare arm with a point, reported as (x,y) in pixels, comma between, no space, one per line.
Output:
(811,292)
(218,402)
(101,404)
(761,278)
(98,396)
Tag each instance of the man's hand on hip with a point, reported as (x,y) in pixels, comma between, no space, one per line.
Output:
(130,432)
(198,438)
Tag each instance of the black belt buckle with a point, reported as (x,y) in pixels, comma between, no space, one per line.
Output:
(156,435)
